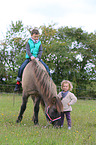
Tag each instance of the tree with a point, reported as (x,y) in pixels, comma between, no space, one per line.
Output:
(69,52)
(76,43)
(2,65)
(14,48)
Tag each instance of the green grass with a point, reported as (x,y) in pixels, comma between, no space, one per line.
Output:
(83,130)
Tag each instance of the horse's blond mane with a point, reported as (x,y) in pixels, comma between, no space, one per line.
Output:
(48,88)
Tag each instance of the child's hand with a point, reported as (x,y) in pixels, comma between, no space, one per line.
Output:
(68,104)
(37,58)
(32,57)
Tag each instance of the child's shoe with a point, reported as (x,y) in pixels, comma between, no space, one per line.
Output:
(61,125)
(69,127)
(17,87)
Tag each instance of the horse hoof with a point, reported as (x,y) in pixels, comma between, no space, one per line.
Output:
(36,123)
(17,121)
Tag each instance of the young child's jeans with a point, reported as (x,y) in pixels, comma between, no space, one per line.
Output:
(20,72)
(67,113)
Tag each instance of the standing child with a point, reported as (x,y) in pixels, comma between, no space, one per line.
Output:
(67,99)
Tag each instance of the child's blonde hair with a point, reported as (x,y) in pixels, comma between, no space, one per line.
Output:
(66,81)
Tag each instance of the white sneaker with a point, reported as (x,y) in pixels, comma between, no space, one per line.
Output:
(69,127)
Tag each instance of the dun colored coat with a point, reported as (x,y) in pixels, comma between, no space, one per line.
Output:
(37,83)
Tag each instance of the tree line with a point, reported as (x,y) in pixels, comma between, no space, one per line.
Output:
(70,54)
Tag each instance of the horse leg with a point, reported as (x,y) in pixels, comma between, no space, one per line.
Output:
(36,101)
(23,107)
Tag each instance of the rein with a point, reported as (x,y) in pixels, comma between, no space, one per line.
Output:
(50,119)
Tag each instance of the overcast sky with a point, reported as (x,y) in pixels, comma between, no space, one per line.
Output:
(71,13)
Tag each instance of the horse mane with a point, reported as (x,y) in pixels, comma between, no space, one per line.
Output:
(47,86)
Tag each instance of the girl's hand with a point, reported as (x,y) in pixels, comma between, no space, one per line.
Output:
(68,104)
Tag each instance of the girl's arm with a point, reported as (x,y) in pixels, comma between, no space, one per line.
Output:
(73,99)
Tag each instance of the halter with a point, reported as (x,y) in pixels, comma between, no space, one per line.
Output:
(48,116)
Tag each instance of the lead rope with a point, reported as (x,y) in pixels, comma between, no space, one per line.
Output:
(49,123)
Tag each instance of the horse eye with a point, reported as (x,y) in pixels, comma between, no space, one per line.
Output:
(55,110)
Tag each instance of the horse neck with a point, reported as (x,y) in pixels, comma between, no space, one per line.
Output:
(48,90)
(45,85)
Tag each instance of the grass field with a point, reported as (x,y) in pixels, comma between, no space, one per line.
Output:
(83,130)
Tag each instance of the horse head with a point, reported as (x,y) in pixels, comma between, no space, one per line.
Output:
(53,113)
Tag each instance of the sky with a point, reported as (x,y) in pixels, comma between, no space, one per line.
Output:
(71,13)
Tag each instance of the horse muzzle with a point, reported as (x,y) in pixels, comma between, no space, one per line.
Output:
(54,121)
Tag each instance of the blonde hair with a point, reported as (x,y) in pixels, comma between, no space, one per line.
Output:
(66,81)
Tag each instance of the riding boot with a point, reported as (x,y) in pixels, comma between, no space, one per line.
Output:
(17,87)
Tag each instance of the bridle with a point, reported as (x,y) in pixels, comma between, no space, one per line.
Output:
(50,119)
